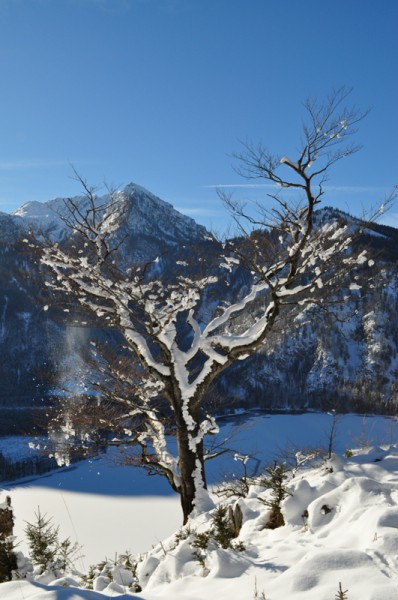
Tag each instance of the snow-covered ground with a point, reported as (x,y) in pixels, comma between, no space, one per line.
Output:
(350,534)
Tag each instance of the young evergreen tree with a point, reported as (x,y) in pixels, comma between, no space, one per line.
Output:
(42,539)
(341,594)
(275,481)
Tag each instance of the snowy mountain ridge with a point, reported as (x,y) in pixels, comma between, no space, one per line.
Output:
(349,357)
(31,343)
(146,215)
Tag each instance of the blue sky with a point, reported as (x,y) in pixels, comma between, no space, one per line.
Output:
(160,92)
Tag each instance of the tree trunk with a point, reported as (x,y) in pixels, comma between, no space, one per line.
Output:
(192,480)
(6,519)
(8,560)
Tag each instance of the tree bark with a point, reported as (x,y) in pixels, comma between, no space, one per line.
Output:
(189,461)
(8,561)
(6,520)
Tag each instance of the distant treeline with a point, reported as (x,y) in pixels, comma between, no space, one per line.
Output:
(25,467)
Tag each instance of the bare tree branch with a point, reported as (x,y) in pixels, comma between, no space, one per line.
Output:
(182,343)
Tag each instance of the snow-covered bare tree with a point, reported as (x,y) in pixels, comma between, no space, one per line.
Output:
(180,342)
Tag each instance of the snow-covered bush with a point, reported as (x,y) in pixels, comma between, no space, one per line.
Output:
(119,575)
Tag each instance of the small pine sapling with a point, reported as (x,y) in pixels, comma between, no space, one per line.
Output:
(226,529)
(127,562)
(102,569)
(200,544)
(227,523)
(42,539)
(275,481)
(182,534)
(341,595)
(223,528)
(46,551)
(66,554)
(88,578)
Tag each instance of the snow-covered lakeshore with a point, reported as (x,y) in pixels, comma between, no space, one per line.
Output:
(350,534)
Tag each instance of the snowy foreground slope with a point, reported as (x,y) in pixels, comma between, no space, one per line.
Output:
(341,525)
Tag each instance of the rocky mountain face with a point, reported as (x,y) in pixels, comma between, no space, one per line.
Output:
(340,355)
(24,334)
(344,358)
(32,341)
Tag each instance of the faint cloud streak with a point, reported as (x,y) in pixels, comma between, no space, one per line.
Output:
(356,189)
(239,185)
(199,211)
(345,189)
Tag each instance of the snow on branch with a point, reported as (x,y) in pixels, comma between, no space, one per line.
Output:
(186,326)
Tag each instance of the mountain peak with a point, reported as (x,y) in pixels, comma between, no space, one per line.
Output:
(146,215)
(150,215)
(134,188)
